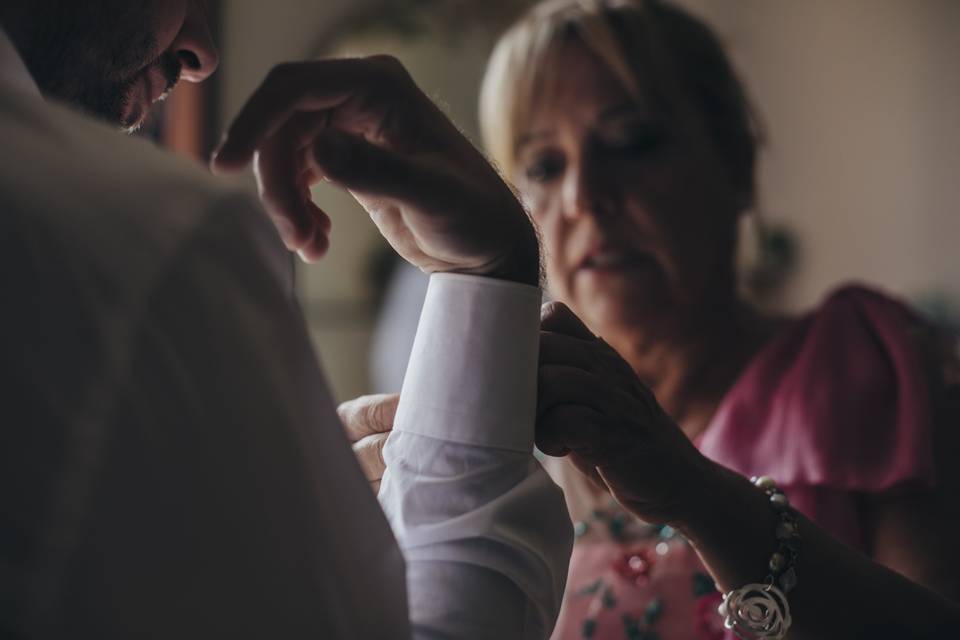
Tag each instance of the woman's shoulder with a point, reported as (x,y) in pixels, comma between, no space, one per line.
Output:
(839,398)
(863,306)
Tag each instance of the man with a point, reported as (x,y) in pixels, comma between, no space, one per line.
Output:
(171,463)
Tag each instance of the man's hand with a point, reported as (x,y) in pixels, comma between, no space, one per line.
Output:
(364,125)
(368,421)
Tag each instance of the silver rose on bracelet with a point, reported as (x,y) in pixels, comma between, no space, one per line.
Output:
(760,610)
(756,611)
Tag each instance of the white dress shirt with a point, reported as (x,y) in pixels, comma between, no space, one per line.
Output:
(171,463)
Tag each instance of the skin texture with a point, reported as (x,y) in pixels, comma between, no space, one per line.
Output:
(368,421)
(598,170)
(622,409)
(112,58)
(601,171)
(348,122)
(362,124)
(593,410)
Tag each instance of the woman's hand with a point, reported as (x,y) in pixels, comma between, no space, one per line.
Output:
(594,409)
(368,421)
(363,124)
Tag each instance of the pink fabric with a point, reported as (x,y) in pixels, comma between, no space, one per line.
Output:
(604,587)
(835,407)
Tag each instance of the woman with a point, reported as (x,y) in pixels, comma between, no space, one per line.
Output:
(632,143)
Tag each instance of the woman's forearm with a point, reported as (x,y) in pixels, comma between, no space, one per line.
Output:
(840,593)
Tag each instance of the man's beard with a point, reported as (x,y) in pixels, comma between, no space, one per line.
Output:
(115,101)
(93,54)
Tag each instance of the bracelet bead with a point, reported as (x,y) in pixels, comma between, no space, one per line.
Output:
(778,562)
(779,501)
(786,530)
(765,482)
(761,610)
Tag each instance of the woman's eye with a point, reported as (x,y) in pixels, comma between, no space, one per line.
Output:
(544,169)
(636,140)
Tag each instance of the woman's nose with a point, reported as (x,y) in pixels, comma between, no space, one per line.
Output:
(194,47)
(584,193)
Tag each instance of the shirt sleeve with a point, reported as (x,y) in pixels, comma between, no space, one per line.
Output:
(484,531)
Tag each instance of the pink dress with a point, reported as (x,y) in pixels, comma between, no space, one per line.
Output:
(834,407)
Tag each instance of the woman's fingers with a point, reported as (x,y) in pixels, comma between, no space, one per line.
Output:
(560,384)
(588,469)
(568,428)
(591,355)
(368,415)
(558,318)
(564,339)
(559,348)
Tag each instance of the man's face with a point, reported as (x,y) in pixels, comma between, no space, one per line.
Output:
(115,58)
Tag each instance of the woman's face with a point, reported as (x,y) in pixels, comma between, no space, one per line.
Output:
(636,208)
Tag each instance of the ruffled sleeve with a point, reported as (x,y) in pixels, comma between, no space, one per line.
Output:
(838,401)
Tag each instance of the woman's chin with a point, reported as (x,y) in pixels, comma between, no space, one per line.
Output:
(622,310)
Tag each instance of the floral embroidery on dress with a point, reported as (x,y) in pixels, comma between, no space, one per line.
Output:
(612,609)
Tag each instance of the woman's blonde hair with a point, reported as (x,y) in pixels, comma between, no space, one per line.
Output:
(647,45)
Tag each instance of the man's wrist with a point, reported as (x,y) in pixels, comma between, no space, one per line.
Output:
(473,367)
(522,263)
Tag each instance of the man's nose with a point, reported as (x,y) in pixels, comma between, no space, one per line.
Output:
(194,47)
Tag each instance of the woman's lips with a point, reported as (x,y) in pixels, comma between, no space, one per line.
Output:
(614,260)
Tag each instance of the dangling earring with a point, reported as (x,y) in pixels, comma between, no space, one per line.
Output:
(768,256)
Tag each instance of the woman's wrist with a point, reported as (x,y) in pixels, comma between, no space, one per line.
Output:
(732,527)
(702,488)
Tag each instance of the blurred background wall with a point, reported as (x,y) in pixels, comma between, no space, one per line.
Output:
(860,100)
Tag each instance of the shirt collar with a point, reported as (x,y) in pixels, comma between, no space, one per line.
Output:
(13,72)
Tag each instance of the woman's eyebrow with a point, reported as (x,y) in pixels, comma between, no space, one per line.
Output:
(619,110)
(629,108)
(531,137)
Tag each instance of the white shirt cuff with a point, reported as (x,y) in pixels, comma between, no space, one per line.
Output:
(472,375)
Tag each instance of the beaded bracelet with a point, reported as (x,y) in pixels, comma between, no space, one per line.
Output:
(761,610)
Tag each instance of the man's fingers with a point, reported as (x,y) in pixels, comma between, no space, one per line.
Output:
(368,415)
(558,318)
(284,185)
(297,87)
(368,169)
(369,452)
(565,385)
